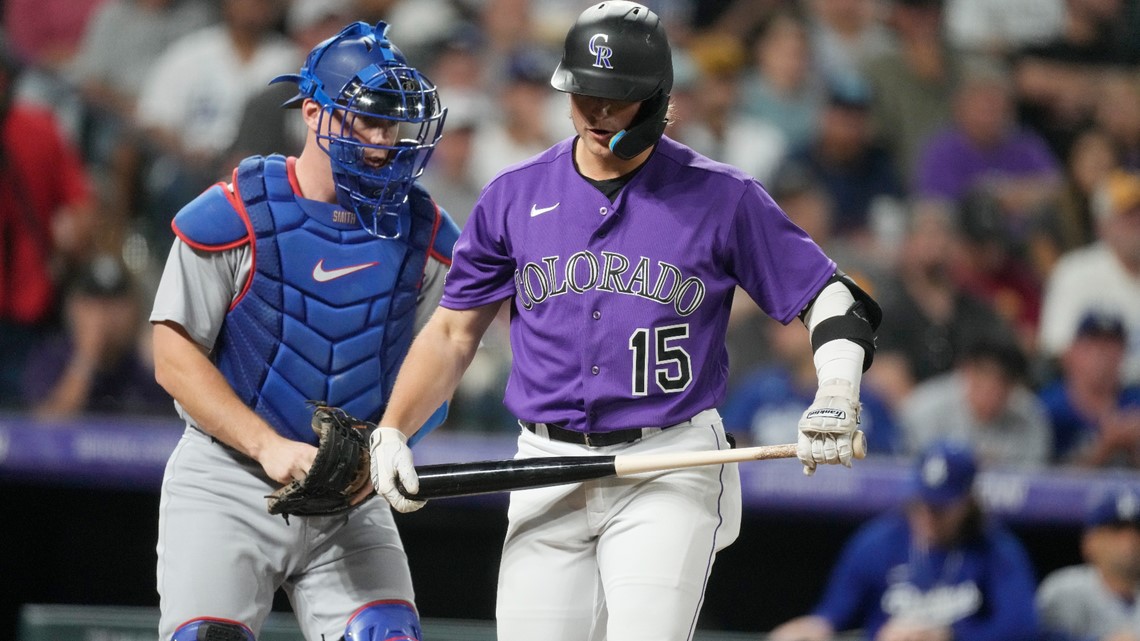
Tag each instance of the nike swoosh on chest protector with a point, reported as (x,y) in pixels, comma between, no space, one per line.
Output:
(321,275)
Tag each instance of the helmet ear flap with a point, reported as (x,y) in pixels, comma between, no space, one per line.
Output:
(647,127)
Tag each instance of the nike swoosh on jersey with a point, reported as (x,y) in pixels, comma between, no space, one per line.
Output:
(535,210)
(321,275)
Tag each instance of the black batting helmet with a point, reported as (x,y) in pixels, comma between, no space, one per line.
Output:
(618,50)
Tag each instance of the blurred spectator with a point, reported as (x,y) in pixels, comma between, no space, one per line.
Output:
(265,127)
(781,88)
(912,84)
(845,35)
(520,129)
(1055,98)
(1095,416)
(46,217)
(985,402)
(46,33)
(100,362)
(448,176)
(999,27)
(508,23)
(927,318)
(984,147)
(708,81)
(810,205)
(1093,32)
(422,23)
(122,41)
(991,266)
(191,102)
(1067,222)
(1059,81)
(807,204)
(1097,599)
(937,570)
(857,172)
(767,404)
(459,64)
(1104,276)
(1118,114)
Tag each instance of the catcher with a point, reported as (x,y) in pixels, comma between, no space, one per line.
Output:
(302,278)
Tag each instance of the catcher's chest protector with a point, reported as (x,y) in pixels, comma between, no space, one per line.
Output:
(329,312)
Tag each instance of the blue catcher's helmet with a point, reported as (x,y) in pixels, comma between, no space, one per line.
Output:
(380,121)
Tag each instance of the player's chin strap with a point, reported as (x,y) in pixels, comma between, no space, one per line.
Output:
(646,129)
(856,324)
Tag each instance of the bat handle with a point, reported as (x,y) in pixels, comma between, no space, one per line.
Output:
(859,444)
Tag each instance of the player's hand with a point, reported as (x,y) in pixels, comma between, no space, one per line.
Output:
(897,629)
(805,628)
(285,459)
(392,460)
(827,428)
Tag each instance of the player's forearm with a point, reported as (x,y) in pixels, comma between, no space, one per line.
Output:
(435,363)
(184,371)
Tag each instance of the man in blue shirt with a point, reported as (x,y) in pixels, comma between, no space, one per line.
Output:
(935,571)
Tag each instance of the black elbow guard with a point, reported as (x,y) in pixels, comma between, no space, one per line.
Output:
(853,326)
(858,325)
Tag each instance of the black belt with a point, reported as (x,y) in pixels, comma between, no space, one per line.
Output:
(593,439)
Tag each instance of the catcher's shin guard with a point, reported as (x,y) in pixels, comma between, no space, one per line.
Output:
(384,621)
(208,629)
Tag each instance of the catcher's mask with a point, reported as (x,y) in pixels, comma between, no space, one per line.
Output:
(380,121)
(618,50)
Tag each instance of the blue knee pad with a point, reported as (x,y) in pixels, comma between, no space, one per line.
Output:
(207,629)
(384,621)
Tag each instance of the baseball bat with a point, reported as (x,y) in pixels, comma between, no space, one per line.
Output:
(446,480)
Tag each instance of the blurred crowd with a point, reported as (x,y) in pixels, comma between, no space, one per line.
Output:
(973,164)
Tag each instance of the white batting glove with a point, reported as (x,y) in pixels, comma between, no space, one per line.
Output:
(827,428)
(392,460)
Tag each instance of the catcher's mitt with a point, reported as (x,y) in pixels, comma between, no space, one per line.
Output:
(339,471)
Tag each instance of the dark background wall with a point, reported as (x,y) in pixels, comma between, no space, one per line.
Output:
(90,546)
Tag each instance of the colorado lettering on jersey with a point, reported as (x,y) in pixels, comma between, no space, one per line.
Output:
(612,272)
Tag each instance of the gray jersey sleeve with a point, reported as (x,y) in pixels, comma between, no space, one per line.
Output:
(1074,601)
(430,292)
(198,287)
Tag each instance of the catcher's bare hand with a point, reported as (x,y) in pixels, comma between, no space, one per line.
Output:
(286,460)
(323,480)
(827,428)
(392,462)
(804,628)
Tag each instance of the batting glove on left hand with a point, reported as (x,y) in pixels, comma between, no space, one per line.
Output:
(827,428)
(392,461)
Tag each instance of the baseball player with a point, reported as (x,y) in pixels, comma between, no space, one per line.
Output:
(302,278)
(937,570)
(1097,600)
(619,251)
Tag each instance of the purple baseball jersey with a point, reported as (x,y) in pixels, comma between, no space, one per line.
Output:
(620,309)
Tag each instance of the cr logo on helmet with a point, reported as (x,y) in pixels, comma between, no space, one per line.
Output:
(601,53)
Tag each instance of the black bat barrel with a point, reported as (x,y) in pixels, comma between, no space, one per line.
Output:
(484,477)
